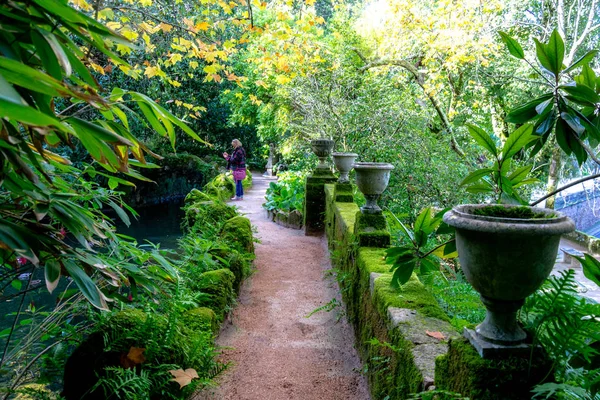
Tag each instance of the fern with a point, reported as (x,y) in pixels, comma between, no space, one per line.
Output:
(566,325)
(124,384)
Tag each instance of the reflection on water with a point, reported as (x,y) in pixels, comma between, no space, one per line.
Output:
(159,223)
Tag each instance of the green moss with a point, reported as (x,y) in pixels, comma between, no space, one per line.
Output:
(511,212)
(202,213)
(463,371)
(125,320)
(412,295)
(237,232)
(314,203)
(218,285)
(199,319)
(196,196)
(236,263)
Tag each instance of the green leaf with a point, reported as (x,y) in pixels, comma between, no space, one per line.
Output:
(8,92)
(482,138)
(528,111)
(574,123)
(403,272)
(16,284)
(514,48)
(584,60)
(46,55)
(528,181)
(120,212)
(480,188)
(542,56)
(476,175)
(519,174)
(555,51)
(591,268)
(582,94)
(86,285)
(52,274)
(26,115)
(587,77)
(98,132)
(428,265)
(517,140)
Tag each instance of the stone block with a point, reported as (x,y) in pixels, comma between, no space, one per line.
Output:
(372,230)
(314,202)
(344,193)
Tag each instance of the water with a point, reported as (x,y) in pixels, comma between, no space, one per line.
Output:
(159,223)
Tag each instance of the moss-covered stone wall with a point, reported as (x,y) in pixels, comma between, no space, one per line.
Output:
(390,324)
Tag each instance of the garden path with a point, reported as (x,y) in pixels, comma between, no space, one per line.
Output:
(277,352)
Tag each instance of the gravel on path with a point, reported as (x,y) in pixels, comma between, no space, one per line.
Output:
(276,351)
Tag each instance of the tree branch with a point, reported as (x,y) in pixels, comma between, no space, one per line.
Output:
(587,178)
(418,77)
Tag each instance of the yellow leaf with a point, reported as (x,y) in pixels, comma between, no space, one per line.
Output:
(188,106)
(123,49)
(211,69)
(174,83)
(282,79)
(82,4)
(113,25)
(194,64)
(97,68)
(310,2)
(129,34)
(146,3)
(203,26)
(166,28)
(239,95)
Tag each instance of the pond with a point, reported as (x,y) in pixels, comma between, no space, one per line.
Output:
(159,224)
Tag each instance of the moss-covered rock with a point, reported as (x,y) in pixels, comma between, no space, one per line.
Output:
(372,230)
(218,285)
(199,319)
(236,262)
(203,213)
(396,364)
(196,196)
(237,232)
(462,370)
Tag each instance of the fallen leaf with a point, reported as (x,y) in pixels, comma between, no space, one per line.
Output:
(182,377)
(133,358)
(437,335)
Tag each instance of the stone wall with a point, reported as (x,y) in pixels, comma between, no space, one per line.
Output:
(390,324)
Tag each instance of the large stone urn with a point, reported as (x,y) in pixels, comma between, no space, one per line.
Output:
(343,163)
(506,259)
(372,179)
(322,148)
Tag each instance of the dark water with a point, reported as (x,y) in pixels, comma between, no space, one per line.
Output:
(159,224)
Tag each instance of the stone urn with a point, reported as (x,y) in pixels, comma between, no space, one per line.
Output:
(343,163)
(506,253)
(372,179)
(322,148)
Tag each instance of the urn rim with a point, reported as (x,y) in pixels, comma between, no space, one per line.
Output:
(372,165)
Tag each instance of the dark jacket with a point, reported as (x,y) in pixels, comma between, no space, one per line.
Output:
(237,160)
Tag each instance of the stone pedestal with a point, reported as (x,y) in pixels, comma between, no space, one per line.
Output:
(314,201)
(504,377)
(343,192)
(269,166)
(372,230)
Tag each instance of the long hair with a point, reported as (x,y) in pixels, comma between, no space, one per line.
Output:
(237,142)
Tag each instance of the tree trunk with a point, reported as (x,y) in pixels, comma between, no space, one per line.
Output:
(553,175)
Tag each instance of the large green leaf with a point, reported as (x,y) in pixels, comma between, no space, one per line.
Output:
(582,94)
(403,272)
(476,175)
(519,174)
(514,48)
(86,285)
(517,140)
(583,61)
(528,111)
(555,51)
(7,92)
(482,138)
(591,268)
(542,56)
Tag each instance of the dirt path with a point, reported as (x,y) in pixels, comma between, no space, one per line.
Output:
(276,352)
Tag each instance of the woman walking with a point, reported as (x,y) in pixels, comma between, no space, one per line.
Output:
(236,162)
